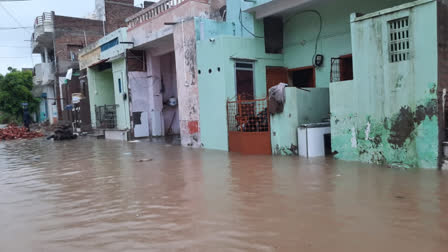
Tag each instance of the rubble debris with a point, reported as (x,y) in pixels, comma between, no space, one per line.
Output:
(63,132)
(145,160)
(12,132)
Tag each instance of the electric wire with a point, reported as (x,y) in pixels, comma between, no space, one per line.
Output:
(244,27)
(318,34)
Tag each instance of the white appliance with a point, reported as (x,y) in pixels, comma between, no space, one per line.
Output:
(312,139)
(142,129)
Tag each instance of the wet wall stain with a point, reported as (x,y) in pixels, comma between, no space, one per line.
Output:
(402,127)
(405,123)
(388,141)
(190,59)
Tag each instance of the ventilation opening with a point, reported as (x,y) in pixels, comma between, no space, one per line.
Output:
(342,68)
(399,45)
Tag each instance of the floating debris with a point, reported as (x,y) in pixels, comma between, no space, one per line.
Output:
(64,131)
(145,160)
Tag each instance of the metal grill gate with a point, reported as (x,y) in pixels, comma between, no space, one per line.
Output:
(249,126)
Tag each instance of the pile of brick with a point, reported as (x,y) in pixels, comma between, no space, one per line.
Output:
(12,132)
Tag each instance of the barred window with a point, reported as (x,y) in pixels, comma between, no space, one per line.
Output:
(399,43)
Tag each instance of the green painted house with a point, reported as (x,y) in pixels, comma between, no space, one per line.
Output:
(105,63)
(339,66)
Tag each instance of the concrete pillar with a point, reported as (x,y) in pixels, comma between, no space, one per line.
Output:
(46,54)
(187,88)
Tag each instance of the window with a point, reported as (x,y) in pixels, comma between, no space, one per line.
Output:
(342,68)
(399,40)
(136,61)
(73,51)
(244,72)
(302,77)
(109,44)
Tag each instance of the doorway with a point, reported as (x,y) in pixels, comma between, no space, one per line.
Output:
(304,77)
(275,76)
(244,72)
(247,116)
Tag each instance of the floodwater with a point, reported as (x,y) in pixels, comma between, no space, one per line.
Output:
(95,195)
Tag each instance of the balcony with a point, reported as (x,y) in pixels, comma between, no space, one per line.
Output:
(156,10)
(44,74)
(43,32)
(266,8)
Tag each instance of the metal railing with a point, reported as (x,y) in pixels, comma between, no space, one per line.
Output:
(47,17)
(248,115)
(106,116)
(152,11)
(341,69)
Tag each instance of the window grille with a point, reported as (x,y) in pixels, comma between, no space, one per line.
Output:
(399,40)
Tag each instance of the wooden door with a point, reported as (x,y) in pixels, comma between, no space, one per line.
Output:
(275,76)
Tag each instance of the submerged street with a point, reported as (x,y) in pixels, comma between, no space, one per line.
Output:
(98,195)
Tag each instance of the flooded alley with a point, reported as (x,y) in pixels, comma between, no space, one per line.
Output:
(98,195)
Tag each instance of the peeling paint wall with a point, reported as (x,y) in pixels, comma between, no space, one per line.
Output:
(187,84)
(179,72)
(389,113)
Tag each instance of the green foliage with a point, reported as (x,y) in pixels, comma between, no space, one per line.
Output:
(15,89)
(8,119)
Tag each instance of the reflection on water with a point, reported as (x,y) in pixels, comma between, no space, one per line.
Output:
(94,195)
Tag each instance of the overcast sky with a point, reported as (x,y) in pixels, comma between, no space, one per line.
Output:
(15,47)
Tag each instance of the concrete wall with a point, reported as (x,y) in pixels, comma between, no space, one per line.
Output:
(388,114)
(227,41)
(74,32)
(155,28)
(88,58)
(301,107)
(215,87)
(302,28)
(92,53)
(187,83)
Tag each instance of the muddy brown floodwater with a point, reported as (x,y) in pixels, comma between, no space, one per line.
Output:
(94,195)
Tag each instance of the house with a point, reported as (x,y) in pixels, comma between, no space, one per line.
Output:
(58,40)
(165,97)
(330,58)
(394,111)
(106,67)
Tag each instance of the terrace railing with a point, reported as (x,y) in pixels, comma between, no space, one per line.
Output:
(152,11)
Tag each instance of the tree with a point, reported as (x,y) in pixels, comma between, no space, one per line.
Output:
(15,89)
